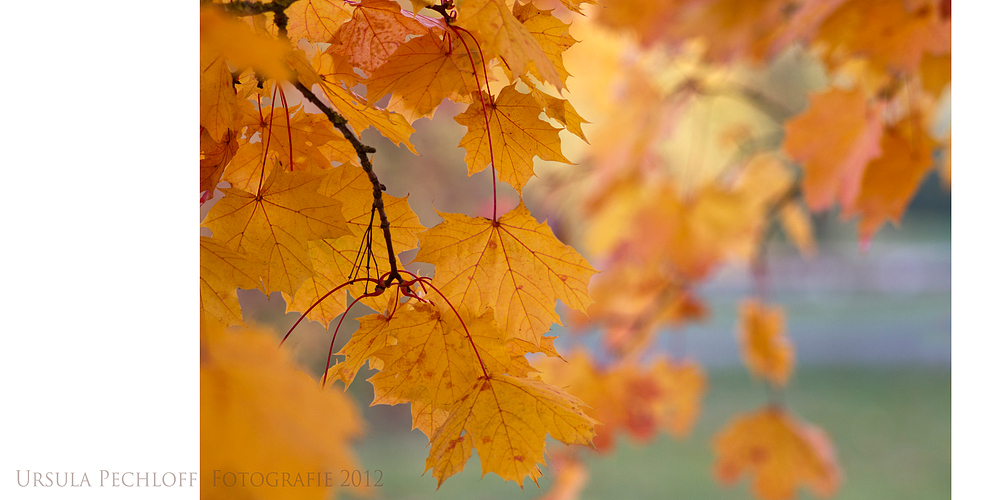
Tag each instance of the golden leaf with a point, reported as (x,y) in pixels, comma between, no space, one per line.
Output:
(516,136)
(514,265)
(506,419)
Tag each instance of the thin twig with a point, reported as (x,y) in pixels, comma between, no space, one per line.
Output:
(362,150)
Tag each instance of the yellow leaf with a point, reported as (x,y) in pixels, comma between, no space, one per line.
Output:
(240,45)
(561,111)
(833,140)
(259,413)
(313,146)
(222,272)
(506,419)
(373,33)
(516,136)
(891,180)
(272,225)
(766,349)
(500,34)
(514,265)
(693,235)
(215,157)
(551,33)
(424,71)
(316,20)
(627,398)
(779,452)
(360,115)
(433,364)
(218,97)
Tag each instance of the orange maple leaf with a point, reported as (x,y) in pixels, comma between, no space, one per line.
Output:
(433,363)
(516,136)
(375,30)
(766,349)
(316,20)
(361,115)
(314,145)
(730,29)
(260,413)
(833,140)
(424,71)
(891,180)
(506,419)
(779,452)
(895,34)
(214,158)
(561,111)
(639,401)
(695,234)
(501,34)
(514,265)
(272,225)
(237,42)
(551,33)
(218,97)
(222,272)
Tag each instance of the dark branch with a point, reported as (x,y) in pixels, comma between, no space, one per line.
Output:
(377,187)
(242,8)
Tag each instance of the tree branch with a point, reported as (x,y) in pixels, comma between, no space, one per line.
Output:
(245,8)
(241,8)
(362,150)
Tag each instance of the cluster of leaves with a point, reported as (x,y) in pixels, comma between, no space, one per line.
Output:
(303,213)
(701,153)
(303,202)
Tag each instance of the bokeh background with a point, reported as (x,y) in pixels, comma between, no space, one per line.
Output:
(871,329)
(871,326)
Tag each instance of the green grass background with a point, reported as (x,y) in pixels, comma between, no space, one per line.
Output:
(891,428)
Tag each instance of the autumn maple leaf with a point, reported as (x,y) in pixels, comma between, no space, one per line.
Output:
(223,271)
(626,398)
(260,413)
(434,361)
(834,140)
(766,349)
(317,20)
(513,265)
(501,34)
(424,71)
(891,180)
(779,452)
(272,225)
(376,29)
(514,137)
(506,419)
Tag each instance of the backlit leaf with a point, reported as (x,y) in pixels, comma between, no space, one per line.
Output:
(514,265)
(834,139)
(373,33)
(424,71)
(506,419)
(779,453)
(516,136)
(272,225)
(766,349)
(259,413)
(501,34)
